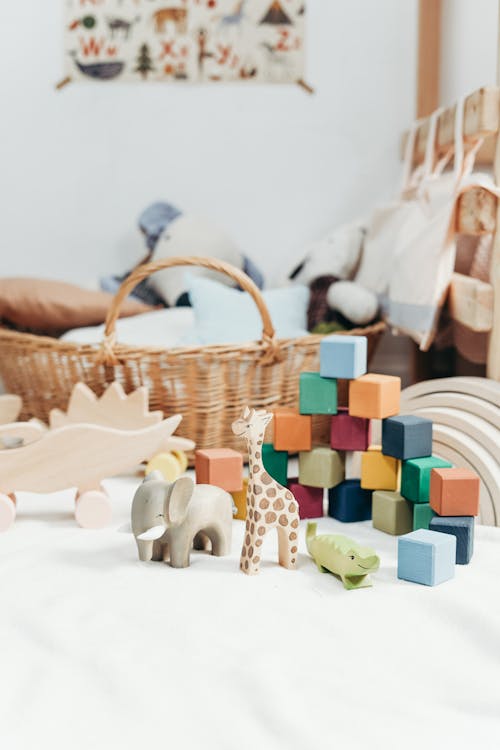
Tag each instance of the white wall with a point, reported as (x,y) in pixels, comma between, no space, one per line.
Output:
(469,47)
(275,166)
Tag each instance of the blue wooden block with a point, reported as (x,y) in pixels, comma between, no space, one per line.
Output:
(343,356)
(348,502)
(462,527)
(426,557)
(406,437)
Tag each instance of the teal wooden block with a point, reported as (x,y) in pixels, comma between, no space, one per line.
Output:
(422,515)
(416,477)
(317,395)
(426,557)
(275,463)
(321,467)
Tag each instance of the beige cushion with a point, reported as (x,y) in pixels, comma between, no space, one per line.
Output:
(43,305)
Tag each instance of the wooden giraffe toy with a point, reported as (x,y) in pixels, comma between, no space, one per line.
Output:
(269,505)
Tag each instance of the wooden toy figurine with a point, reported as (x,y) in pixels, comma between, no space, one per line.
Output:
(169,519)
(269,504)
(79,455)
(334,553)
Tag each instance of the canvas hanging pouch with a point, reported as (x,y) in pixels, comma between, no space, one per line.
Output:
(424,256)
(384,227)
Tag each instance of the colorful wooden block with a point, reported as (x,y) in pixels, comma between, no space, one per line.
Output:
(321,467)
(240,501)
(462,527)
(349,433)
(422,515)
(317,395)
(379,472)
(292,431)
(349,502)
(221,467)
(426,557)
(454,492)
(406,436)
(374,396)
(416,477)
(275,463)
(309,499)
(343,356)
(392,513)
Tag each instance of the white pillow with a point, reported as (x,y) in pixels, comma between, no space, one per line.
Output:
(192,235)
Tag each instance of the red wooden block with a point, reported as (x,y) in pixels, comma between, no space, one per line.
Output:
(349,433)
(309,499)
(221,467)
(292,431)
(454,492)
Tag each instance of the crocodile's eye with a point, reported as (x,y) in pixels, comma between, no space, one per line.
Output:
(352,557)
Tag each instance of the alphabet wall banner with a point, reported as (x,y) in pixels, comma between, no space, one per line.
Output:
(193,41)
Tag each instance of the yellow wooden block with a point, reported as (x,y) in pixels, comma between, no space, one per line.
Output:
(240,500)
(167,464)
(379,472)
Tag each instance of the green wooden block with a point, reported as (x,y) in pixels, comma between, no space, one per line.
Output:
(416,477)
(275,463)
(422,516)
(317,395)
(392,513)
(321,467)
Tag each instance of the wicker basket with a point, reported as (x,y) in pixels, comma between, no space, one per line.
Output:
(208,385)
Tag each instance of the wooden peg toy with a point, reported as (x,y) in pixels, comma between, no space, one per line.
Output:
(426,557)
(462,527)
(221,467)
(292,431)
(310,499)
(276,463)
(422,515)
(91,453)
(10,408)
(321,467)
(379,472)
(343,356)
(349,433)
(240,501)
(349,502)
(270,506)
(416,477)
(345,558)
(406,436)
(454,492)
(392,513)
(317,395)
(374,396)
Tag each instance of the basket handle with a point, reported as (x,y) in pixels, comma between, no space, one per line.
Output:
(144,271)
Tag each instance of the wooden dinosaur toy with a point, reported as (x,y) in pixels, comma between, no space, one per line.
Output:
(269,504)
(345,558)
(82,454)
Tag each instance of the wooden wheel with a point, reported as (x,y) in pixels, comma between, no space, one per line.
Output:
(7,511)
(93,510)
(167,464)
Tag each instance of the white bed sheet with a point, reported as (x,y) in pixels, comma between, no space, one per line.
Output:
(99,650)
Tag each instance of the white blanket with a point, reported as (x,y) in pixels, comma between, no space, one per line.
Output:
(99,650)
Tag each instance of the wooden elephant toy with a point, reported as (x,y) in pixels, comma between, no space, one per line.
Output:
(169,519)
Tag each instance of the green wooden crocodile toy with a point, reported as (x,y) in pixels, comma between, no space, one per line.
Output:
(337,554)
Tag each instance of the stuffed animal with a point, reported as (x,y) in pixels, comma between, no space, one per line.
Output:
(328,269)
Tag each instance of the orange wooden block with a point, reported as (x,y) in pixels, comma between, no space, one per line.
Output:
(454,492)
(240,501)
(221,467)
(374,396)
(292,431)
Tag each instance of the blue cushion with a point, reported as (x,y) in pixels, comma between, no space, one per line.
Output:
(228,316)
